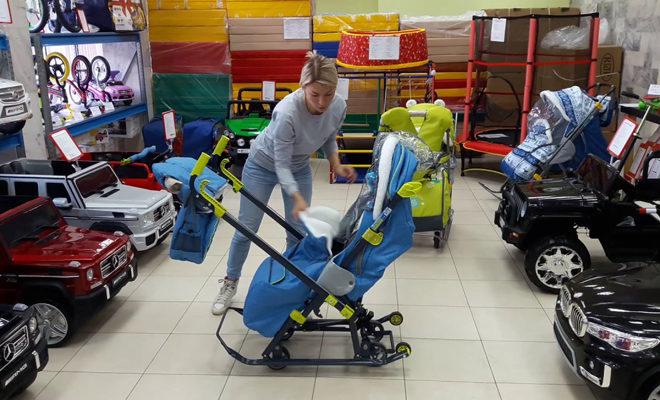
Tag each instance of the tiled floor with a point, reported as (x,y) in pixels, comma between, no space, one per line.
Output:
(479,330)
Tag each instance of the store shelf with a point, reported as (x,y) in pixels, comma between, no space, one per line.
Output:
(68,39)
(8,142)
(89,124)
(637,113)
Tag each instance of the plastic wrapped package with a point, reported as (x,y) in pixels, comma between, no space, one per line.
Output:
(210,18)
(190,58)
(188,34)
(184,5)
(255,34)
(327,28)
(274,65)
(192,96)
(268,9)
(567,38)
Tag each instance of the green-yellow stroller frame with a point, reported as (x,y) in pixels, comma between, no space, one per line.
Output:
(433,124)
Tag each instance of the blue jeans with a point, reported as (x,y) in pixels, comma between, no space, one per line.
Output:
(260,182)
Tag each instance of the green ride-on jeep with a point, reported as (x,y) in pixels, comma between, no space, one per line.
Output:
(246,119)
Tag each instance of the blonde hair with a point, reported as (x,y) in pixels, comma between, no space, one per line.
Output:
(318,69)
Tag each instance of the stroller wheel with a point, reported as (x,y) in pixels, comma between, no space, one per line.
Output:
(396,318)
(287,335)
(436,240)
(374,330)
(281,354)
(403,347)
(377,352)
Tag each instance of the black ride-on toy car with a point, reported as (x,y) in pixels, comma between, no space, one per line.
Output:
(246,119)
(542,218)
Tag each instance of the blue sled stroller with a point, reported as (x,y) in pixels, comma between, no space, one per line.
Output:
(337,262)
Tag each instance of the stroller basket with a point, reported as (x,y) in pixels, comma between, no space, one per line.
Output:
(340,285)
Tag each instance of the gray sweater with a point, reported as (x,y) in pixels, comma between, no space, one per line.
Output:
(293,134)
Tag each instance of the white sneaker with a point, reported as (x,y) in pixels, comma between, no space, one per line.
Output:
(223,299)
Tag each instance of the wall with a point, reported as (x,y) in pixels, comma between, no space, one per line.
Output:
(425,7)
(634,24)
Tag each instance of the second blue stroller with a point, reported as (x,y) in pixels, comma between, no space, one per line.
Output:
(336,263)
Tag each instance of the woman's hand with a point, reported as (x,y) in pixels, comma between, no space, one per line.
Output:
(346,172)
(299,205)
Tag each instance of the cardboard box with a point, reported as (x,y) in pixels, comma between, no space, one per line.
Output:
(610,63)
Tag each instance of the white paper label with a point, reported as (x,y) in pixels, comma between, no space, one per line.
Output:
(654,90)
(169,124)
(654,169)
(498,30)
(342,88)
(5,14)
(109,106)
(636,167)
(621,137)
(268,91)
(96,111)
(78,117)
(296,28)
(384,47)
(66,144)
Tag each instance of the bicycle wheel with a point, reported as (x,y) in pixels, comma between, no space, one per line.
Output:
(37,14)
(58,68)
(100,69)
(75,94)
(66,14)
(81,70)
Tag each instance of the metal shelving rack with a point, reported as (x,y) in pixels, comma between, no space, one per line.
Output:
(41,41)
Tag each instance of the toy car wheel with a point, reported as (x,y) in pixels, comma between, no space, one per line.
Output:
(59,320)
(11,127)
(651,390)
(553,260)
(128,102)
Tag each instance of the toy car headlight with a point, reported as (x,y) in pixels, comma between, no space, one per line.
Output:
(148,219)
(620,340)
(523,210)
(32,325)
(240,142)
(128,246)
(230,134)
(90,275)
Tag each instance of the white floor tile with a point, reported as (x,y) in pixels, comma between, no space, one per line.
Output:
(87,386)
(367,389)
(58,357)
(500,294)
(513,324)
(434,322)
(116,352)
(183,268)
(43,379)
(430,390)
(488,249)
(199,320)
(383,292)
(177,387)
(168,288)
(260,388)
(413,292)
(447,360)
(408,267)
(195,354)
(484,269)
(528,362)
(341,347)
(474,233)
(471,218)
(145,317)
(544,392)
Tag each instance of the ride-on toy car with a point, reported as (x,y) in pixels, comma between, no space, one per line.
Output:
(65,272)
(118,93)
(542,218)
(606,324)
(246,119)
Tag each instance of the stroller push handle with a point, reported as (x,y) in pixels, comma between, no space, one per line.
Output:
(200,164)
(221,146)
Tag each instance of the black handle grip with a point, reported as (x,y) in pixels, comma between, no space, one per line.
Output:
(630,94)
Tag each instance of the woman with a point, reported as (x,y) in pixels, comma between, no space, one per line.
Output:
(302,123)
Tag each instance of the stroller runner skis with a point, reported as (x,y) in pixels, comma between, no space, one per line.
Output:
(336,263)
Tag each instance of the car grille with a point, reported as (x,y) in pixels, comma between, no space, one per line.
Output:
(577,320)
(11,94)
(565,301)
(116,260)
(14,346)
(161,211)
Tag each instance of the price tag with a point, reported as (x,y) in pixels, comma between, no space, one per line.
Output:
(384,47)
(498,30)
(66,145)
(78,117)
(169,124)
(296,28)
(5,12)
(342,88)
(622,138)
(268,91)
(638,161)
(96,111)
(109,107)
(654,90)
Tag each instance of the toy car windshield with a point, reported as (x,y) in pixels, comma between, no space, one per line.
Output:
(96,181)
(27,226)
(597,174)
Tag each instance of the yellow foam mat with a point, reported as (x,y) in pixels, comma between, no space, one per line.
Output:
(337,23)
(184,5)
(212,18)
(187,34)
(268,9)
(327,37)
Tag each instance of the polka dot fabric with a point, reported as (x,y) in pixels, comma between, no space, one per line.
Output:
(354,50)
